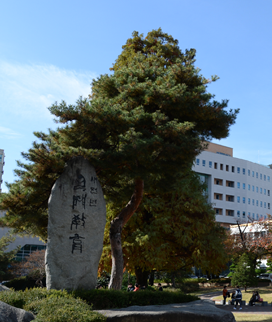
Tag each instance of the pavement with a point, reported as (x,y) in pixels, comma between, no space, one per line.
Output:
(267,310)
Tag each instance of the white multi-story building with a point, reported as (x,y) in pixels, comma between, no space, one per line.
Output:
(2,157)
(238,189)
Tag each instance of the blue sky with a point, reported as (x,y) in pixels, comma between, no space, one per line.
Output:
(51,50)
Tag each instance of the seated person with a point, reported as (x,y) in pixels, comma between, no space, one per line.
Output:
(254,298)
(130,288)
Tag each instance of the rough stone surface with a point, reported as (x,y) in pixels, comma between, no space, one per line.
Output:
(10,313)
(77,218)
(197,311)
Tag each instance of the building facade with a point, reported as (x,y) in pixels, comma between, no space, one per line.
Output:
(27,244)
(2,162)
(238,189)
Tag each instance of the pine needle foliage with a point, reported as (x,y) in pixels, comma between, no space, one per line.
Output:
(147,120)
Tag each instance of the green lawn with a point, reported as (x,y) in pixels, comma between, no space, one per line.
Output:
(265,293)
(245,317)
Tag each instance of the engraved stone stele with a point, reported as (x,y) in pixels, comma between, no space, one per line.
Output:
(76,222)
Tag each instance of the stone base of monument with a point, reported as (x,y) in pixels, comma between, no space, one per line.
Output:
(197,311)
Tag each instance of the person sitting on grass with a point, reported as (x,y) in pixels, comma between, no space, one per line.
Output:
(130,288)
(159,287)
(137,287)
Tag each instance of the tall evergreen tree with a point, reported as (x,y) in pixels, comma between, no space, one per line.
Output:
(171,231)
(143,124)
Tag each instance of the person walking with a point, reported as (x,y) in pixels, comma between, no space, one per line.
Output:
(225,294)
(238,298)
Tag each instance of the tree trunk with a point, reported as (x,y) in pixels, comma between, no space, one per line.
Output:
(151,278)
(173,280)
(116,227)
(141,276)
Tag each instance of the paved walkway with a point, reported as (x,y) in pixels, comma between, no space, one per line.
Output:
(245,309)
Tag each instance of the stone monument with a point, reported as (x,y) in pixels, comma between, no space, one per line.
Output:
(76,222)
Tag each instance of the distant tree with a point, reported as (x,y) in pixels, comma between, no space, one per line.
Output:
(252,238)
(269,265)
(244,274)
(32,266)
(5,256)
(142,125)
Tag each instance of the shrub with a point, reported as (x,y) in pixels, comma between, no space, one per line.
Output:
(108,299)
(21,283)
(59,309)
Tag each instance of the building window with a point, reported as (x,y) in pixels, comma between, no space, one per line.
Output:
(257,189)
(215,165)
(221,166)
(244,214)
(252,188)
(257,203)
(244,200)
(253,215)
(244,171)
(229,198)
(218,211)
(264,191)
(197,161)
(248,187)
(257,175)
(268,178)
(203,163)
(261,203)
(252,173)
(230,184)
(268,192)
(248,172)
(238,199)
(248,201)
(238,169)
(268,205)
(218,196)
(261,190)
(253,202)
(261,176)
(238,185)
(238,213)
(229,212)
(257,216)
(244,186)
(264,216)
(248,214)
(264,204)
(232,169)
(218,181)
(210,164)
(264,177)
(227,168)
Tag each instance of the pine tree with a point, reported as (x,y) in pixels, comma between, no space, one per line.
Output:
(244,274)
(171,231)
(142,125)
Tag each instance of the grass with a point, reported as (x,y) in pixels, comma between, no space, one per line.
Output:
(265,293)
(245,317)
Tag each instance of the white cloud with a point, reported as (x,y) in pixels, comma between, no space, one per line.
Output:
(28,90)
(6,133)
